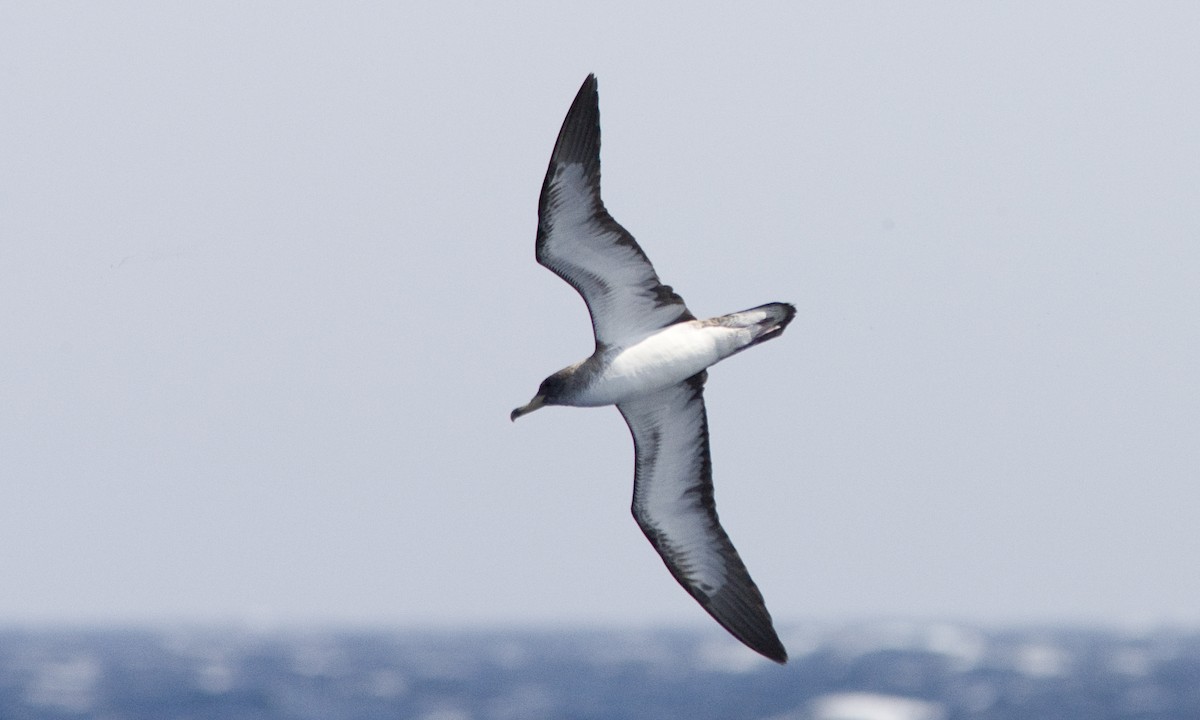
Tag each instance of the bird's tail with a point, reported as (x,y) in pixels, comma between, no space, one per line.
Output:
(764,322)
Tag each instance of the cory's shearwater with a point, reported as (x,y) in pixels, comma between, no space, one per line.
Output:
(650,360)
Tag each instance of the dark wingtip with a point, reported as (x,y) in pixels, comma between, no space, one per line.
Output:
(588,86)
(579,138)
(747,620)
(776,654)
(765,643)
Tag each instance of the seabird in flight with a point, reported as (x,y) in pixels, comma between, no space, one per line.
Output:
(650,360)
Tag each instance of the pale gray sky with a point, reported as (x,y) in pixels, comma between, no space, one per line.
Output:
(267,295)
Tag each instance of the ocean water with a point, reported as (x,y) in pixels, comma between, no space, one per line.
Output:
(868,671)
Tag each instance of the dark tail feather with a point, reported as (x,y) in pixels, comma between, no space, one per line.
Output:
(778,315)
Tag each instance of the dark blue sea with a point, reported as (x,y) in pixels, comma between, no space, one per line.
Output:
(867,671)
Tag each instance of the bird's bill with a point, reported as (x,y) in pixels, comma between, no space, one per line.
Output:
(534,404)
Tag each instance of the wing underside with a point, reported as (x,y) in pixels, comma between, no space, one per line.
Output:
(581,243)
(673,504)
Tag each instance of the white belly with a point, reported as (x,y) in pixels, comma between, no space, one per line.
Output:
(669,356)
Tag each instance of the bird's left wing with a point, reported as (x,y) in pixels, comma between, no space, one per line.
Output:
(580,242)
(673,504)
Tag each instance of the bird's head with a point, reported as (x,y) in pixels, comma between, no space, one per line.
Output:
(548,394)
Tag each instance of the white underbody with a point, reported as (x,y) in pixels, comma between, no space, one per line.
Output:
(663,358)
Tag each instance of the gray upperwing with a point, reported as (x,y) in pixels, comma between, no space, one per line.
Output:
(580,242)
(673,504)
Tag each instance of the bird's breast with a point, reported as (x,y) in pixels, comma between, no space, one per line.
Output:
(664,358)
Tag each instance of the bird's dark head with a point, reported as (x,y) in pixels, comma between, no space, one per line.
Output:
(549,393)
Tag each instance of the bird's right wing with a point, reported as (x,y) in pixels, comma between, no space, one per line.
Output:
(580,242)
(673,504)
